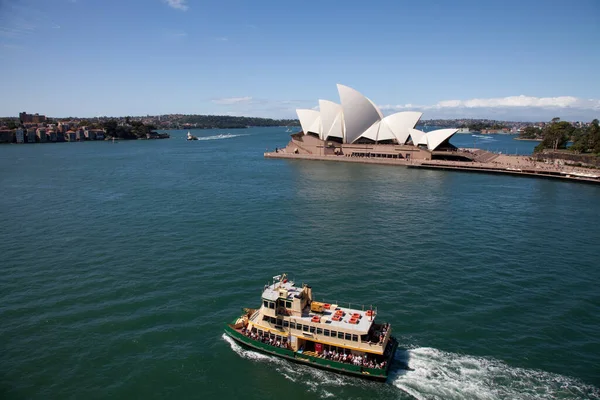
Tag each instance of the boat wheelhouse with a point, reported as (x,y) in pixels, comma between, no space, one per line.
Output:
(290,324)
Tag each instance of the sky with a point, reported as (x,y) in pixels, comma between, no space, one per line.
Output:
(510,60)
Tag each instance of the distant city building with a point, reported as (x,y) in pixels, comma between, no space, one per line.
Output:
(31,135)
(20,136)
(31,118)
(71,136)
(100,134)
(6,136)
(41,135)
(51,133)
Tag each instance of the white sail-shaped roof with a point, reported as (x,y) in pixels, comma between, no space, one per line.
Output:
(418,137)
(310,120)
(331,119)
(359,113)
(397,126)
(317,127)
(437,137)
(372,132)
(338,127)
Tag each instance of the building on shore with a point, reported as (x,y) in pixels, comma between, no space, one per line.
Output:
(31,118)
(31,135)
(41,135)
(6,136)
(70,136)
(20,135)
(357,128)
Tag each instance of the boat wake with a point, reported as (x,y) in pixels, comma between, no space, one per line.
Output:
(222,136)
(314,379)
(484,137)
(435,374)
(427,373)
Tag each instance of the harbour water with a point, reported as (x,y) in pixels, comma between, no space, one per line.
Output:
(121,262)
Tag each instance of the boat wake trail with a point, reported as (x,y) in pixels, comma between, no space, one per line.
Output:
(484,137)
(427,373)
(435,374)
(222,136)
(314,379)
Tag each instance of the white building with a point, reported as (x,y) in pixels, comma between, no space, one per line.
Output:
(358,120)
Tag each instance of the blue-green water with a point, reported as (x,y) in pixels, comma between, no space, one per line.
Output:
(121,262)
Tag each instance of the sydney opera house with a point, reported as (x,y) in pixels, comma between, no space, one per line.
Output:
(357,128)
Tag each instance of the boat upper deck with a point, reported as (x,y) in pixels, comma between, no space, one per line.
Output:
(330,316)
(273,292)
(347,319)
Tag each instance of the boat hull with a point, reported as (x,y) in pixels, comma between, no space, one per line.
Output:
(325,364)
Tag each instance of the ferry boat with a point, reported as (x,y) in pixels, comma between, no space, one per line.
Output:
(290,324)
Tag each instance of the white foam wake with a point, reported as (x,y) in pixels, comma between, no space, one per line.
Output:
(314,379)
(221,136)
(437,374)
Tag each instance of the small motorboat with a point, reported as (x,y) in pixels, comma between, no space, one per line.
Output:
(191,137)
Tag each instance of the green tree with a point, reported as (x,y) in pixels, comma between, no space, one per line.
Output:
(531,132)
(555,135)
(110,127)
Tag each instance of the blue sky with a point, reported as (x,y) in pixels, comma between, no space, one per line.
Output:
(523,60)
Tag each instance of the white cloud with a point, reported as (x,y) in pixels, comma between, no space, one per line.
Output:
(222,39)
(506,102)
(177,4)
(232,100)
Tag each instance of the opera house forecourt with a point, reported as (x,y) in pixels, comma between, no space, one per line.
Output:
(355,130)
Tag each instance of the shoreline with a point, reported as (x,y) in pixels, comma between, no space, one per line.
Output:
(528,140)
(508,165)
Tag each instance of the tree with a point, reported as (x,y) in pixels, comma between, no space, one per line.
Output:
(531,132)
(594,136)
(111,128)
(587,139)
(556,135)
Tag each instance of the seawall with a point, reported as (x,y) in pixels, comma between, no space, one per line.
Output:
(509,165)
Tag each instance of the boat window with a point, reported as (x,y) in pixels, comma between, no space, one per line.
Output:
(340,335)
(305,328)
(299,327)
(319,331)
(265,304)
(355,338)
(272,305)
(292,325)
(260,332)
(333,333)
(364,338)
(348,336)
(286,324)
(312,329)
(265,318)
(273,320)
(288,304)
(326,332)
